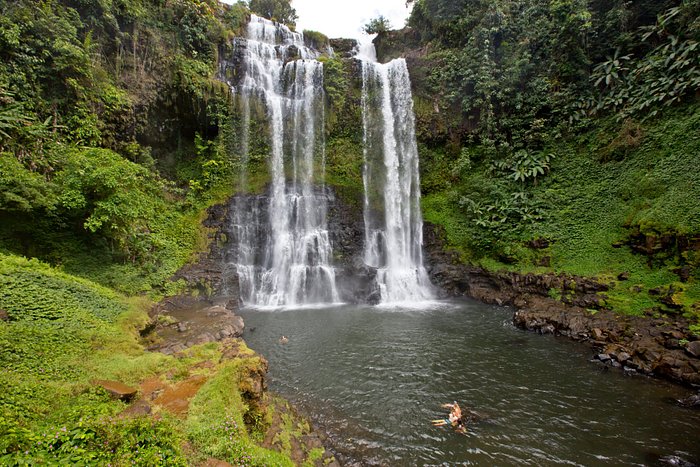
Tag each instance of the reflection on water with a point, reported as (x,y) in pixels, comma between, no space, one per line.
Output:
(374,379)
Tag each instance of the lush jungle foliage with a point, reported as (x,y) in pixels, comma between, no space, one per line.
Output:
(561,135)
(65,332)
(111,138)
(114,137)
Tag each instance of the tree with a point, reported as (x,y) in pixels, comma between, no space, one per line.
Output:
(276,10)
(378,25)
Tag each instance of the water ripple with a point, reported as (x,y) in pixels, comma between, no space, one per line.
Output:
(374,379)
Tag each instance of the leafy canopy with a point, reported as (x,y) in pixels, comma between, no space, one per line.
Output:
(276,10)
(378,25)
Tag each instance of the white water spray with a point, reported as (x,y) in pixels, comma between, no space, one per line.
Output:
(393,221)
(284,251)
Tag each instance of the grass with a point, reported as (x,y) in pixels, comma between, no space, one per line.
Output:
(215,423)
(64,332)
(603,187)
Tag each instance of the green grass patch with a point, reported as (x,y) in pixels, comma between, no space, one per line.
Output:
(215,424)
(63,333)
(603,187)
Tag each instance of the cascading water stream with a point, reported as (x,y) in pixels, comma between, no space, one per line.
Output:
(393,221)
(284,252)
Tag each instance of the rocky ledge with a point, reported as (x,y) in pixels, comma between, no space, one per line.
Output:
(183,322)
(655,346)
(650,346)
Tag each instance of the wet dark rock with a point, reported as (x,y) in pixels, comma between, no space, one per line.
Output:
(356,281)
(623,357)
(690,401)
(293,53)
(693,348)
(344,48)
(675,461)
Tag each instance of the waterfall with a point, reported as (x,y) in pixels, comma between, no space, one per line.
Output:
(393,221)
(283,248)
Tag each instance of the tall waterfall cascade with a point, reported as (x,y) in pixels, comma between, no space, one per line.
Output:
(393,221)
(283,249)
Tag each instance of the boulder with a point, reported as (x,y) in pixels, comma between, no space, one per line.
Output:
(344,48)
(623,357)
(116,389)
(693,348)
(692,401)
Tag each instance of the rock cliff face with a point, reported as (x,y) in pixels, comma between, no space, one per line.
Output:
(356,281)
(214,277)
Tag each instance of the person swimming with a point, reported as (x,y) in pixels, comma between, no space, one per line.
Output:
(454,418)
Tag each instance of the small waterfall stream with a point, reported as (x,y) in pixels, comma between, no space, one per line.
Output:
(284,251)
(393,221)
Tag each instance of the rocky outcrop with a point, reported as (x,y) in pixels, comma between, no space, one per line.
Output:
(456,279)
(657,346)
(344,48)
(208,276)
(183,322)
(356,281)
(645,345)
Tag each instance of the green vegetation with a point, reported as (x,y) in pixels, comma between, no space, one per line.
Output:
(110,140)
(316,40)
(115,137)
(378,25)
(587,209)
(555,136)
(560,137)
(276,10)
(65,332)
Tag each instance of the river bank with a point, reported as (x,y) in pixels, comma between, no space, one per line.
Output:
(636,345)
(652,345)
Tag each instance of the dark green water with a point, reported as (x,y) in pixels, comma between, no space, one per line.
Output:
(373,379)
